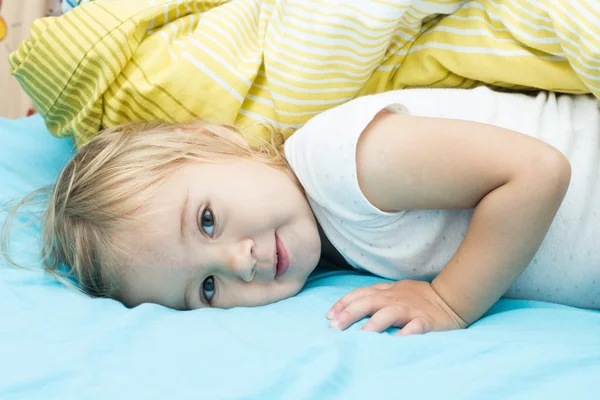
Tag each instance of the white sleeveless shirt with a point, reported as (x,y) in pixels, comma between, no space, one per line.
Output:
(417,244)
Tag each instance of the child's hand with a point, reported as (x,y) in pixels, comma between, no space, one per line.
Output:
(411,305)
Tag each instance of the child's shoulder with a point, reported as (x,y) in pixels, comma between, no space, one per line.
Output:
(322,154)
(343,122)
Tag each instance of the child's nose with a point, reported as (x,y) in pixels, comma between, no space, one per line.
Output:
(240,260)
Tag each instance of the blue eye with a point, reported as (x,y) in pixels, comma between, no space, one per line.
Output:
(208,289)
(207,222)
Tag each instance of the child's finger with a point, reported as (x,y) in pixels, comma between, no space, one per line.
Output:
(357,310)
(387,317)
(347,299)
(383,285)
(417,326)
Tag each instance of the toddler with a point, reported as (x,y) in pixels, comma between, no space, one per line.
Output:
(454,195)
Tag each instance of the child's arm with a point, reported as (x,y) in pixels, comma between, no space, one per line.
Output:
(515,183)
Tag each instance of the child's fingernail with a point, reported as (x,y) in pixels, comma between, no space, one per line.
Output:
(335,324)
(329,314)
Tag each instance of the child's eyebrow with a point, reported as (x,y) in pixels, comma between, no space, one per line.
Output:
(183,225)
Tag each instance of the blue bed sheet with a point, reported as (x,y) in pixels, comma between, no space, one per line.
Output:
(57,344)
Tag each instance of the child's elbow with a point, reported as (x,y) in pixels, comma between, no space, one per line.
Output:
(554,170)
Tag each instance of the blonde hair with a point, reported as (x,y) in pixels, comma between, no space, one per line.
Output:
(107,182)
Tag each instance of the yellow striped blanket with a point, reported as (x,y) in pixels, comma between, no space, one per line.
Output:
(284,61)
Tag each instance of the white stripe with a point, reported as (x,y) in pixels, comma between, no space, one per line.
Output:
(364,71)
(474,33)
(396,47)
(235,45)
(429,8)
(413,9)
(469,49)
(575,20)
(335,20)
(311,102)
(252,8)
(166,14)
(393,4)
(220,60)
(315,80)
(191,27)
(562,37)
(582,53)
(151,26)
(585,13)
(532,14)
(503,29)
(319,33)
(338,27)
(296,60)
(261,100)
(269,102)
(356,53)
(328,9)
(212,75)
(457,49)
(316,35)
(594,89)
(240,36)
(275,124)
(579,56)
(527,22)
(267,8)
(234,19)
(414,22)
(580,72)
(553,58)
(242,61)
(164,35)
(404,52)
(177,4)
(407,37)
(174,26)
(388,67)
(594,5)
(300,89)
(388,16)
(281,112)
(478,19)
(591,46)
(245,19)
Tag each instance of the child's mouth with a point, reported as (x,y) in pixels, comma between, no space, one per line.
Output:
(282,260)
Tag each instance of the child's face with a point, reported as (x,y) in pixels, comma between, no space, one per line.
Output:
(237,233)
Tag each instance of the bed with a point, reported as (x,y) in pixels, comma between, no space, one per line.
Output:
(57,344)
